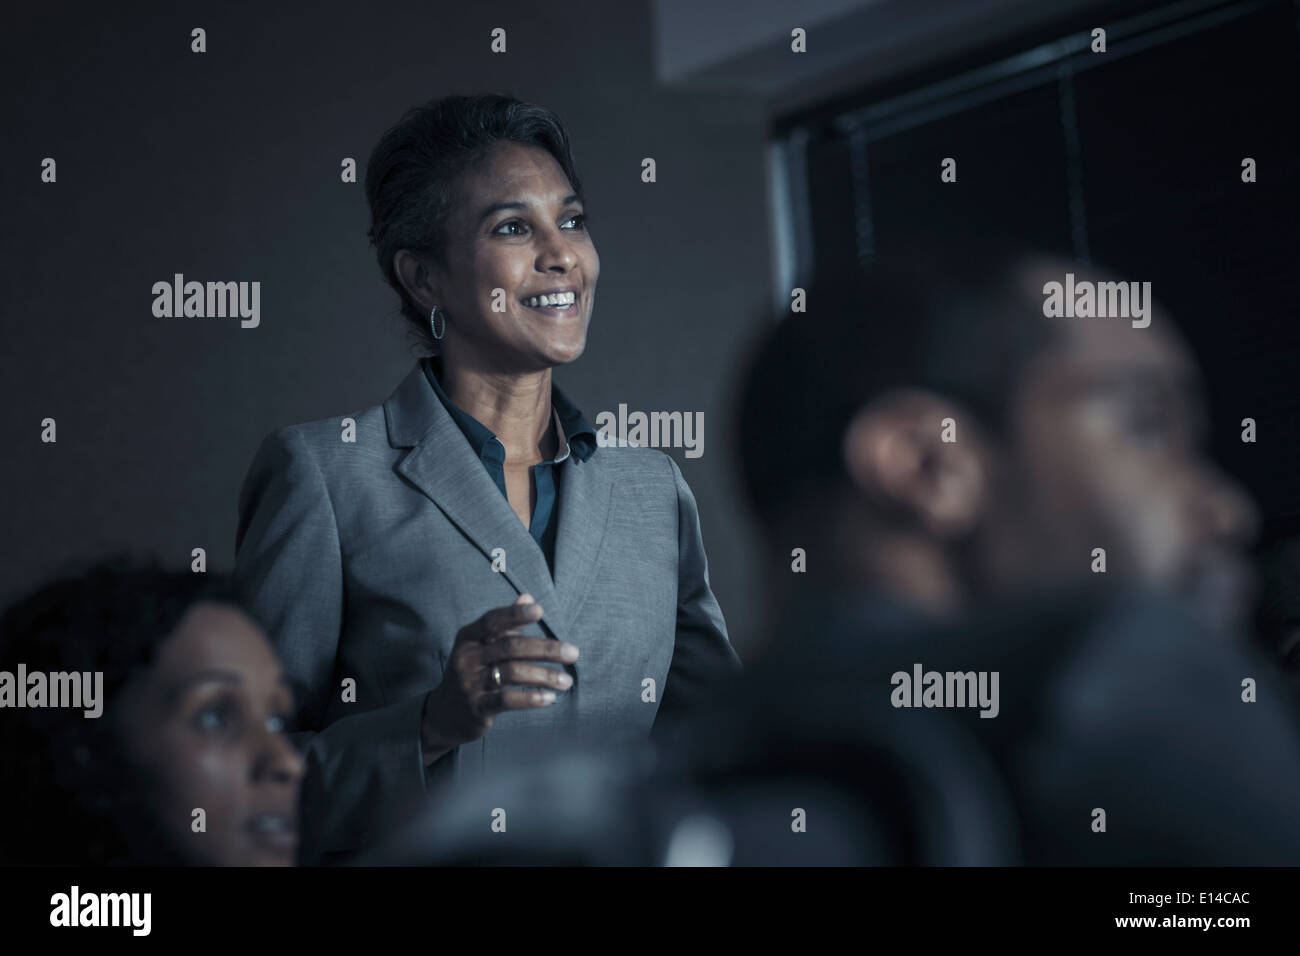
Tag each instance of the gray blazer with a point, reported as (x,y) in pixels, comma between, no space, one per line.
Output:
(363,559)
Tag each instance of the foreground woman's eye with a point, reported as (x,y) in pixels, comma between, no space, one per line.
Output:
(580,221)
(213,719)
(513,224)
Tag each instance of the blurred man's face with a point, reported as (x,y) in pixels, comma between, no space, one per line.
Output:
(1107,453)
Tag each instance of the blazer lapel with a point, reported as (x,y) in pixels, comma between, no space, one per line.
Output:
(442,465)
(585,495)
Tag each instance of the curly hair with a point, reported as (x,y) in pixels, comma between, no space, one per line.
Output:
(413,171)
(70,782)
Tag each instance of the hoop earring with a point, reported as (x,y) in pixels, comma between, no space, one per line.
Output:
(433,323)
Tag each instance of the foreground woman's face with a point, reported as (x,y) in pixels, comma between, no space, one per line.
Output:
(204,725)
(517,227)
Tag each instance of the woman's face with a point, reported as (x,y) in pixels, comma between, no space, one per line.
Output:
(204,725)
(515,231)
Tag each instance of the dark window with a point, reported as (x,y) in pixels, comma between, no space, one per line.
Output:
(1131,158)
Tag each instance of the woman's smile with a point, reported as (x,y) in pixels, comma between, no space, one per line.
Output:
(555,301)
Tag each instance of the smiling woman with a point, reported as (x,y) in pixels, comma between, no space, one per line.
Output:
(426,575)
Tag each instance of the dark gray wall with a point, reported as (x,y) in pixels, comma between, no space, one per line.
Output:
(225,166)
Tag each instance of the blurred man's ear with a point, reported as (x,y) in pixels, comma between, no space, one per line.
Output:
(919,460)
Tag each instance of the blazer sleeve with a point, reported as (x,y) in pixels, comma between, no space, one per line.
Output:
(362,770)
(704,661)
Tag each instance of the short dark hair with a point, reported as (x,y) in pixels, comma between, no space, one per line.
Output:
(957,322)
(413,170)
(69,797)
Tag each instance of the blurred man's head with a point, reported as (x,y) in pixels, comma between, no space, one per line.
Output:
(935,435)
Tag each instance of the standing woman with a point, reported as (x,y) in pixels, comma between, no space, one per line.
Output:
(468,579)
